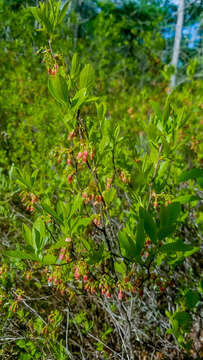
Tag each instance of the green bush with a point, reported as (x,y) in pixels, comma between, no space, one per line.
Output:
(101,209)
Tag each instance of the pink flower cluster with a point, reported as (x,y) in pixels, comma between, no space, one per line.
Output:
(83,155)
(62,254)
(54,70)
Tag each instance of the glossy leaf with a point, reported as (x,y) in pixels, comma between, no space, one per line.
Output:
(87,77)
(63,12)
(58,88)
(149,224)
(176,246)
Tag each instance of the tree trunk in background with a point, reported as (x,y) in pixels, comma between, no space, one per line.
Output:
(178,35)
(75,7)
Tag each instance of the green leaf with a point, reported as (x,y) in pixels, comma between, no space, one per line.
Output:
(140,238)
(166,112)
(101,110)
(52,213)
(49,259)
(176,246)
(120,267)
(96,256)
(87,77)
(21,343)
(58,245)
(76,205)
(87,244)
(36,239)
(28,235)
(78,99)
(157,109)
(166,231)
(191,174)
(168,216)
(75,67)
(200,181)
(38,234)
(58,88)
(128,248)
(192,298)
(184,320)
(21,255)
(63,12)
(36,13)
(109,195)
(80,222)
(149,224)
(186,198)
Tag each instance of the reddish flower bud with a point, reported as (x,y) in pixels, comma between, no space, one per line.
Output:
(120,295)
(61,256)
(92,154)
(98,198)
(140,292)
(71,135)
(85,278)
(70,179)
(79,155)
(96,222)
(84,159)
(33,199)
(69,162)
(52,72)
(77,276)
(162,288)
(171,283)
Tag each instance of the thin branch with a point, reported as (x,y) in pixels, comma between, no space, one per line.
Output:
(154,175)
